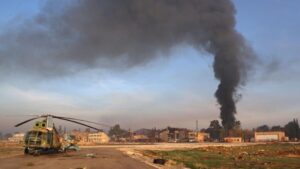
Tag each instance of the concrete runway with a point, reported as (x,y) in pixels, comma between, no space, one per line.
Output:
(105,158)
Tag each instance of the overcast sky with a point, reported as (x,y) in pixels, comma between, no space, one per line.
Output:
(167,91)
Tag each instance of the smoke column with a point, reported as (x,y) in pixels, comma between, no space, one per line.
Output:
(112,34)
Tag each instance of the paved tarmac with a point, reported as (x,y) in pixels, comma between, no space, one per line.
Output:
(88,158)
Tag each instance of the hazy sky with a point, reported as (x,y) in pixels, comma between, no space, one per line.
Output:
(174,91)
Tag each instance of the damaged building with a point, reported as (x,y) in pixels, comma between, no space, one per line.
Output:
(170,134)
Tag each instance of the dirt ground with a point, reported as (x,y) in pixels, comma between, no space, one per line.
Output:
(105,156)
(270,155)
(112,156)
(87,158)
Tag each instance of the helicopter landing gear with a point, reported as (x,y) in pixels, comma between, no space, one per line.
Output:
(26,151)
(37,152)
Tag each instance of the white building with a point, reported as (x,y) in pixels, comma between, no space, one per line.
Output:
(17,138)
(270,136)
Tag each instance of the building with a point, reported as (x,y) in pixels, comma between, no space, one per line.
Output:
(202,136)
(99,137)
(140,138)
(270,136)
(192,135)
(174,135)
(233,139)
(146,135)
(195,136)
(80,136)
(17,138)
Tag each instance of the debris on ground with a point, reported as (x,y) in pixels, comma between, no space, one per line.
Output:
(159,161)
(260,152)
(90,155)
(72,147)
(242,155)
(30,164)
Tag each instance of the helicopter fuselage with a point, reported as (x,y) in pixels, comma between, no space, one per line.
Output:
(44,138)
(41,139)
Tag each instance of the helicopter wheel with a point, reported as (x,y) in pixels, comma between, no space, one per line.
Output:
(62,150)
(36,153)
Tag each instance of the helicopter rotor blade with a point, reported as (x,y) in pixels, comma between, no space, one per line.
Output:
(77,123)
(100,124)
(26,121)
(18,115)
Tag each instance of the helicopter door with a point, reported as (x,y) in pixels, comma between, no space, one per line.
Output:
(50,138)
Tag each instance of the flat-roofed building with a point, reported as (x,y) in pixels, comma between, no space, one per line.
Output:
(270,136)
(195,136)
(233,139)
(99,137)
(80,136)
(202,136)
(192,135)
(140,138)
(17,138)
(171,134)
(145,135)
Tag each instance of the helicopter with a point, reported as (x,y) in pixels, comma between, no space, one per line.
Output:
(44,138)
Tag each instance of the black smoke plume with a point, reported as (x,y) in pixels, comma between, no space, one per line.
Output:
(66,37)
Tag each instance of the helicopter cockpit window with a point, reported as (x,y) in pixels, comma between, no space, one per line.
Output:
(39,135)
